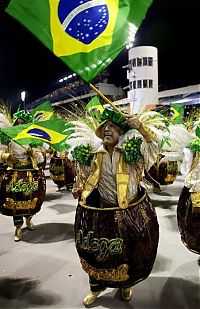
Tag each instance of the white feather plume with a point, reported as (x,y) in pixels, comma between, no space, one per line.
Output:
(4,122)
(83,135)
(179,138)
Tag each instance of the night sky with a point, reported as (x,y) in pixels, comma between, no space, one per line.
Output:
(170,25)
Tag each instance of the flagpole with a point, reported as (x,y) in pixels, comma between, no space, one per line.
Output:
(106,99)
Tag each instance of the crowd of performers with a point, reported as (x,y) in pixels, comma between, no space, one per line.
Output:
(109,169)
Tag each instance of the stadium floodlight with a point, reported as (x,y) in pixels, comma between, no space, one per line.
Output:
(23,95)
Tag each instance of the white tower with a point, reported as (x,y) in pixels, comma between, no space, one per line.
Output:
(143,77)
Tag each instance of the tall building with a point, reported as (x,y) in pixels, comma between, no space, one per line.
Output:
(143,77)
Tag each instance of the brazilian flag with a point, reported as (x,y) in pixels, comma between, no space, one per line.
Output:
(53,132)
(85,34)
(176,113)
(43,112)
(94,108)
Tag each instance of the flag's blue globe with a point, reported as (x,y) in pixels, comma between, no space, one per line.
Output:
(39,116)
(84,20)
(39,134)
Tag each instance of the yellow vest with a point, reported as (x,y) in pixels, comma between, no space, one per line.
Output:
(122,180)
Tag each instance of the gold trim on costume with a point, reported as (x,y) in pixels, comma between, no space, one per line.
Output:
(147,133)
(122,181)
(58,177)
(170,178)
(93,179)
(5,156)
(111,274)
(144,214)
(195,197)
(15,205)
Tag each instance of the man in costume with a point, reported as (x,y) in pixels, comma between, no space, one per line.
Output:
(116,228)
(15,192)
(61,170)
(188,210)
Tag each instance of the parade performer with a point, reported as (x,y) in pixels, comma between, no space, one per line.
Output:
(166,168)
(61,170)
(23,184)
(116,228)
(188,210)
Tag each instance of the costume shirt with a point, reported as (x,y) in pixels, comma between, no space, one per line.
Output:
(107,182)
(191,169)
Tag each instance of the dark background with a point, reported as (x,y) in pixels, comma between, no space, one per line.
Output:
(170,25)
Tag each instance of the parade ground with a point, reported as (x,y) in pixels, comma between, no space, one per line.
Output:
(43,270)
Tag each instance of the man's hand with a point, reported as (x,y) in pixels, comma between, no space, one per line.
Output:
(76,192)
(133,122)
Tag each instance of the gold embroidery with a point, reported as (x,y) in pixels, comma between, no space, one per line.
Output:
(15,205)
(144,214)
(195,197)
(170,177)
(119,274)
(58,177)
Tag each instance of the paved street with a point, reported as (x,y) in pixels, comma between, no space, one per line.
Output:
(43,270)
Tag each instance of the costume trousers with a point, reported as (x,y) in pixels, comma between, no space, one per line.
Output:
(18,220)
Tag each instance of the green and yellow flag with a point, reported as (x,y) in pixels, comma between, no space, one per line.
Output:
(42,112)
(86,35)
(94,108)
(53,132)
(177,113)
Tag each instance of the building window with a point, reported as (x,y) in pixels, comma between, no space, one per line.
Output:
(139,62)
(134,84)
(139,84)
(150,61)
(150,83)
(134,62)
(144,60)
(145,83)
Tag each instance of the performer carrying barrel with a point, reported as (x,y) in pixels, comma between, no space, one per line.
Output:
(61,170)
(116,228)
(23,184)
(188,210)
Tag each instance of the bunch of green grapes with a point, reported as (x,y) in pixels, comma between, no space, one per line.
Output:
(82,154)
(131,148)
(194,145)
(4,139)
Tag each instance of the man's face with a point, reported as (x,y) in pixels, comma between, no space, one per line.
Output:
(110,133)
(19,121)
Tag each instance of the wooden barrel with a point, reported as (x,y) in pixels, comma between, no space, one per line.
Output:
(22,192)
(167,172)
(69,172)
(62,172)
(117,247)
(188,219)
(56,169)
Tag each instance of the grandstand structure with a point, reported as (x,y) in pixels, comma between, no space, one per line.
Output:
(75,91)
